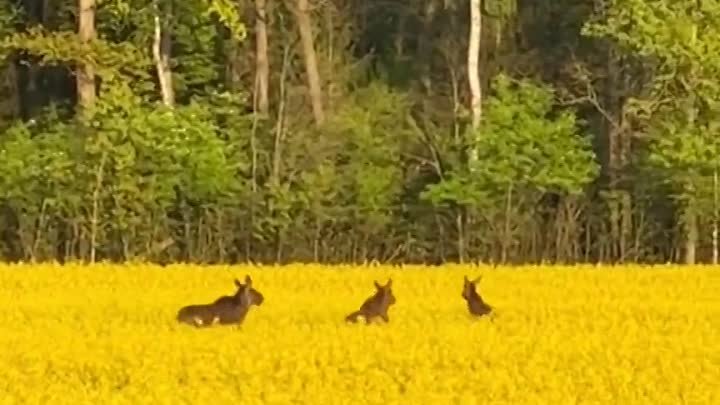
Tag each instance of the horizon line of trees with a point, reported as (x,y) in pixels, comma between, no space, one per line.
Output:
(405,131)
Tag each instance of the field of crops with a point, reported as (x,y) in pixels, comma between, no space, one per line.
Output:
(107,335)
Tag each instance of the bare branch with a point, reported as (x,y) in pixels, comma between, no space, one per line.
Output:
(583,77)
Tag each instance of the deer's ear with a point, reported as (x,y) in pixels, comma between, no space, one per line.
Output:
(237,283)
(466,280)
(377,285)
(389,283)
(248,280)
(477,280)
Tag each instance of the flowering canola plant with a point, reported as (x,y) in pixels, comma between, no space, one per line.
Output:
(107,335)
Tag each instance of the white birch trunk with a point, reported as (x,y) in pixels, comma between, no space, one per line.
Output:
(161,54)
(473,68)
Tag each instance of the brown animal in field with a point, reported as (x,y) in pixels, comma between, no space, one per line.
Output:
(475,303)
(226,310)
(376,305)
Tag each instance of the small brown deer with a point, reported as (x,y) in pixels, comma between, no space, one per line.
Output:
(475,303)
(226,310)
(376,305)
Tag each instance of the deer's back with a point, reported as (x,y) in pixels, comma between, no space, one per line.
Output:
(224,310)
(374,305)
(478,307)
(190,313)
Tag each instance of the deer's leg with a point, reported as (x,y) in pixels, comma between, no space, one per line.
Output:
(353,317)
(205,319)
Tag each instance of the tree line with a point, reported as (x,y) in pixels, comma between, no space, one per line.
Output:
(334,131)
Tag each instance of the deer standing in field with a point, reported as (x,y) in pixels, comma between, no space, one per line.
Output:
(376,305)
(226,310)
(476,305)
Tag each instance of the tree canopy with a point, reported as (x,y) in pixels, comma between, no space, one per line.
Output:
(347,131)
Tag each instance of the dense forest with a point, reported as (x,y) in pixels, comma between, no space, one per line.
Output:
(401,131)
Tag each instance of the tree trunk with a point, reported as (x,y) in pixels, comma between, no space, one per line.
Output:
(425,44)
(618,153)
(473,57)
(617,244)
(472,61)
(507,231)
(262,66)
(715,218)
(399,40)
(10,105)
(162,45)
(691,213)
(86,72)
(691,234)
(302,14)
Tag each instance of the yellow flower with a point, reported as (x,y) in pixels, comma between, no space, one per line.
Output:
(107,334)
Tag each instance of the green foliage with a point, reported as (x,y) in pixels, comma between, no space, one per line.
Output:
(232,124)
(164,149)
(9,16)
(678,32)
(37,172)
(140,155)
(681,42)
(111,61)
(525,143)
(227,13)
(689,150)
(347,174)
(34,167)
(384,176)
(151,154)
(373,127)
(195,41)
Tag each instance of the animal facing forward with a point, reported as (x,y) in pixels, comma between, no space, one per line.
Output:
(226,310)
(375,306)
(475,303)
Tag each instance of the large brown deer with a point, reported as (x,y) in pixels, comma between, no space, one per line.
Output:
(376,306)
(475,303)
(226,310)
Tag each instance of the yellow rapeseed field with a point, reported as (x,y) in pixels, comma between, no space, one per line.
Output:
(107,335)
